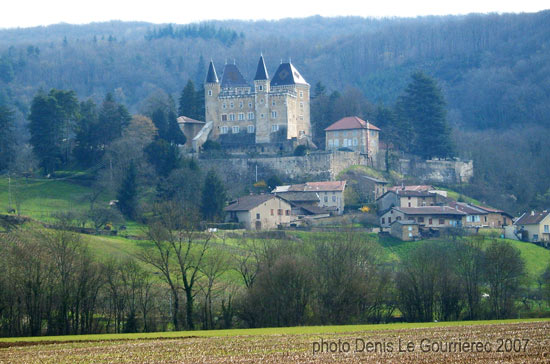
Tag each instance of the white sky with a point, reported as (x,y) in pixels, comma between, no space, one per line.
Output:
(26,13)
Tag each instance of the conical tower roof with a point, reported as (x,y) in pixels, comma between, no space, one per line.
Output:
(261,71)
(211,76)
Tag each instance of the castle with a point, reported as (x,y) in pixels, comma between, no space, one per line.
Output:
(269,112)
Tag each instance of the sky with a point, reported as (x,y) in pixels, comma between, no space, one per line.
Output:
(28,13)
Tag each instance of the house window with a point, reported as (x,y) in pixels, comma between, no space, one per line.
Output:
(333,198)
(301,105)
(231,105)
(273,103)
(301,94)
(224,130)
(535,237)
(275,128)
(250,129)
(330,143)
(441,221)
(398,218)
(236,129)
(241,116)
(261,101)
(430,221)
(224,106)
(336,143)
(250,116)
(224,117)
(485,218)
(326,198)
(209,92)
(241,104)
(274,114)
(383,220)
(272,212)
(301,117)
(410,235)
(262,116)
(287,212)
(389,220)
(409,204)
(354,142)
(250,105)
(231,117)
(421,219)
(410,228)
(280,212)
(257,216)
(546,229)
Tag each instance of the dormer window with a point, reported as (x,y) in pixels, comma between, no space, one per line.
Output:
(260,88)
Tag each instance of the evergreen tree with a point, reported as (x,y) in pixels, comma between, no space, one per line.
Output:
(175,135)
(87,150)
(165,157)
(51,125)
(7,138)
(422,107)
(113,118)
(212,197)
(159,119)
(189,102)
(127,193)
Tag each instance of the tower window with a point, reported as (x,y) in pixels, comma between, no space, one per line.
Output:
(260,87)
(274,114)
(301,94)
(231,105)
(262,116)
(273,103)
(224,106)
(302,105)
(209,92)
(261,101)
(241,104)
(250,105)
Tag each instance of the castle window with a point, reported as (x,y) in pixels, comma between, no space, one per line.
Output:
(224,106)
(330,143)
(209,92)
(250,116)
(261,101)
(224,117)
(250,105)
(260,87)
(302,105)
(235,129)
(302,132)
(301,94)
(273,103)
(224,130)
(262,116)
(241,116)
(354,142)
(241,104)
(274,114)
(250,129)
(274,128)
(231,117)
(336,143)
(301,117)
(231,105)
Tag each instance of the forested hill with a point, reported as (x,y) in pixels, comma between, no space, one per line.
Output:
(485,63)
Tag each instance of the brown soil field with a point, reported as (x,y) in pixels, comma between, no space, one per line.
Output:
(498,343)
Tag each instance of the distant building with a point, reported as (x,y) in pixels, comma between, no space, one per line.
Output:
(258,212)
(409,198)
(190,128)
(432,217)
(353,133)
(405,230)
(483,217)
(375,187)
(264,112)
(329,194)
(534,226)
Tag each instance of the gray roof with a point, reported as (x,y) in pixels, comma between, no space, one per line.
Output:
(404,222)
(467,208)
(298,196)
(287,74)
(261,71)
(532,217)
(211,76)
(247,203)
(430,210)
(375,180)
(232,77)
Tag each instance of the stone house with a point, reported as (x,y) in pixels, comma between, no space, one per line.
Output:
(304,204)
(264,112)
(481,217)
(375,187)
(330,194)
(405,230)
(428,217)
(409,198)
(495,218)
(259,212)
(190,128)
(534,226)
(353,133)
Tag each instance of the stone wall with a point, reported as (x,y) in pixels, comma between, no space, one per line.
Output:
(438,171)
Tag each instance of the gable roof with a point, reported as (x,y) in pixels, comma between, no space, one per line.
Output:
(351,122)
(261,70)
(287,74)
(246,203)
(376,180)
(405,193)
(211,76)
(232,77)
(297,196)
(467,208)
(412,188)
(327,186)
(430,210)
(533,217)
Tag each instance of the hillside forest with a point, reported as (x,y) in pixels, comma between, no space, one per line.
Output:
(492,71)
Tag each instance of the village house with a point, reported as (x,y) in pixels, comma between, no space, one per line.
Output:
(409,198)
(304,204)
(495,218)
(481,217)
(353,133)
(534,226)
(405,230)
(329,194)
(374,187)
(258,212)
(428,217)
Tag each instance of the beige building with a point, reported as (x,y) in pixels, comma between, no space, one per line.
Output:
(268,111)
(259,212)
(329,194)
(405,230)
(408,198)
(480,216)
(432,217)
(534,226)
(353,133)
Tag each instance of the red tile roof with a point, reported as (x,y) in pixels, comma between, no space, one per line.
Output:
(325,186)
(351,122)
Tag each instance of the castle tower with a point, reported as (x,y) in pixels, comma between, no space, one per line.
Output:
(211,92)
(261,88)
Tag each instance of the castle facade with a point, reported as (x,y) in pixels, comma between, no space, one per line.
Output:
(268,111)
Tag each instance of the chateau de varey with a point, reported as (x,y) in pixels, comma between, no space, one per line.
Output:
(269,112)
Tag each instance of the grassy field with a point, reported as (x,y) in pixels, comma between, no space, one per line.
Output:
(403,343)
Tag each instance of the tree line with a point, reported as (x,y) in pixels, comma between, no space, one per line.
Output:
(51,282)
